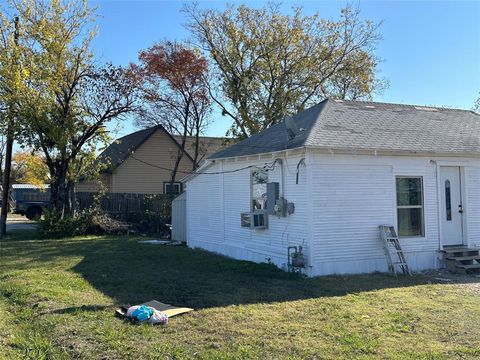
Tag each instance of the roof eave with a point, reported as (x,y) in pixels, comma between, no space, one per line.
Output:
(393,152)
(276,152)
(358,151)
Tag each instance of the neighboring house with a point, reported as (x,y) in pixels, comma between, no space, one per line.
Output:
(141,162)
(346,167)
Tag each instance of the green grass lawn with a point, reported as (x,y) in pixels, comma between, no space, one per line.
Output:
(57,300)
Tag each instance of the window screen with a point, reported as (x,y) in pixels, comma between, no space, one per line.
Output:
(259,189)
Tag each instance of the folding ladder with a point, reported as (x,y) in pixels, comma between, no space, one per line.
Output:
(392,248)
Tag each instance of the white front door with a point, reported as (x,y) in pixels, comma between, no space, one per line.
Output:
(451,205)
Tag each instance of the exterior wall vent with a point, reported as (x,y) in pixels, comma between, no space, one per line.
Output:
(246,219)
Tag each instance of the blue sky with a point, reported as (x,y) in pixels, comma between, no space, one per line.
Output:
(430,49)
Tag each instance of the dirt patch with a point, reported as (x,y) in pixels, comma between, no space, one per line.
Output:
(469,282)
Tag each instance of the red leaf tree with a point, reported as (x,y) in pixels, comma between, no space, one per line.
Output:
(174,82)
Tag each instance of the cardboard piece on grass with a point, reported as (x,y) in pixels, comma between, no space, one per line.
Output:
(157,242)
(161,242)
(167,309)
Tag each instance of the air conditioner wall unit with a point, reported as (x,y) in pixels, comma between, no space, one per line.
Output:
(260,219)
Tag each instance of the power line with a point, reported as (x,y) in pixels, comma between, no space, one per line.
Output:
(230,142)
(199,173)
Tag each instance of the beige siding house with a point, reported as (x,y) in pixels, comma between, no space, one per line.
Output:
(140,162)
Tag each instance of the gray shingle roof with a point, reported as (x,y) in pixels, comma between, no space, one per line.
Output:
(119,150)
(360,125)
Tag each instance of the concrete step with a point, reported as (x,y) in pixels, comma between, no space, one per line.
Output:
(458,250)
(468,267)
(463,258)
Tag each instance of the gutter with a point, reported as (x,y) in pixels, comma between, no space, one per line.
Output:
(353,151)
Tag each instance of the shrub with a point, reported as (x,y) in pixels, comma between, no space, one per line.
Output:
(85,222)
(54,226)
(150,215)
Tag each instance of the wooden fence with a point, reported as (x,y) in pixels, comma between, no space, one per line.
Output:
(122,205)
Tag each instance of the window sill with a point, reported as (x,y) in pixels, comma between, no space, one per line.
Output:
(412,237)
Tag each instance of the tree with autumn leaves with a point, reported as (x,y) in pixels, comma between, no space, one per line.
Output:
(29,168)
(174,88)
(257,65)
(268,65)
(60,98)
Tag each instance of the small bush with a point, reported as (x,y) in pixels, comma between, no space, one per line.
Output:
(84,222)
(54,226)
(151,217)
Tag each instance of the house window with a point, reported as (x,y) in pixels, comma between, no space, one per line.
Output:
(168,190)
(259,189)
(410,214)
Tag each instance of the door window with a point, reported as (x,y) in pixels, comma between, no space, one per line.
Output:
(448,200)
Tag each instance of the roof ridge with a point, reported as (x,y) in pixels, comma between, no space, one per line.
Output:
(138,131)
(203,137)
(339,101)
(316,122)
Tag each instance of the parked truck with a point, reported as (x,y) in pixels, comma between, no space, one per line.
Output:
(29,200)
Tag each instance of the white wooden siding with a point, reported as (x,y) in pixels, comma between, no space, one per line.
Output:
(340,201)
(349,203)
(473,204)
(352,195)
(204,210)
(232,197)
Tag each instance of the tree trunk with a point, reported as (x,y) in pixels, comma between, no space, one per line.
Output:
(181,151)
(6,177)
(61,191)
(1,165)
(71,196)
(8,156)
(197,147)
(175,168)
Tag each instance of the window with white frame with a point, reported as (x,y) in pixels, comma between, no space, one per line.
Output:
(169,190)
(410,210)
(259,179)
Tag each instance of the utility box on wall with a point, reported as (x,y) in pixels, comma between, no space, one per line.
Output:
(273,194)
(281,207)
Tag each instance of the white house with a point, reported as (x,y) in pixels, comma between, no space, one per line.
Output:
(343,168)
